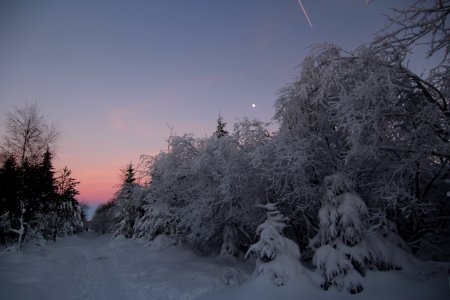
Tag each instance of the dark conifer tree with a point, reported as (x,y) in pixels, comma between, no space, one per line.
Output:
(28,191)
(9,206)
(47,177)
(66,185)
(70,215)
(45,194)
(30,205)
(220,130)
(129,174)
(9,178)
(126,212)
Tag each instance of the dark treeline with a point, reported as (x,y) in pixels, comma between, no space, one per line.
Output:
(36,204)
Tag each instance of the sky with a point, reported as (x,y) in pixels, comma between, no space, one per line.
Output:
(114,76)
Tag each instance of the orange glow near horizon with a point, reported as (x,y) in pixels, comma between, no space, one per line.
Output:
(97,186)
(98,181)
(95,191)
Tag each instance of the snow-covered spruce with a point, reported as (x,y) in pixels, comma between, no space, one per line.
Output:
(344,247)
(366,112)
(277,256)
(337,257)
(125,212)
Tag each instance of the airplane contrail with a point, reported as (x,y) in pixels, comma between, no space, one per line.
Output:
(304,11)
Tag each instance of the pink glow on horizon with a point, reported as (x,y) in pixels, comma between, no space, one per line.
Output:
(100,179)
(96,185)
(97,188)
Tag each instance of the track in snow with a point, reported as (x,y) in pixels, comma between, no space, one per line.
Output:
(100,276)
(91,266)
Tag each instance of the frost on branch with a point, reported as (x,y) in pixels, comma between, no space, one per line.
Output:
(277,256)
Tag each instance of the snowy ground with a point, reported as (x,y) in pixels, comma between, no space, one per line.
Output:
(89,266)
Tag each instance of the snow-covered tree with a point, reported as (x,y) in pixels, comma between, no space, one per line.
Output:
(339,257)
(227,188)
(158,218)
(251,134)
(346,245)
(69,211)
(283,166)
(371,117)
(214,205)
(423,22)
(125,210)
(203,191)
(170,189)
(277,256)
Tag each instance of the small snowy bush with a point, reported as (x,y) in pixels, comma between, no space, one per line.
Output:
(277,256)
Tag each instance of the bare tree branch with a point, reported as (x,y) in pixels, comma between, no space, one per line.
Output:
(28,134)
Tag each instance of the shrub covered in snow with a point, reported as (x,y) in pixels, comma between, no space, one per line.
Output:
(277,256)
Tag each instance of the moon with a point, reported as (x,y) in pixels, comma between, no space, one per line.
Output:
(253,105)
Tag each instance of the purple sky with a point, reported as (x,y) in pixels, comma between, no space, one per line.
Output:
(111,74)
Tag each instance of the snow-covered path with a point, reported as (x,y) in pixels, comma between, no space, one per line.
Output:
(79,268)
(91,266)
(98,275)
